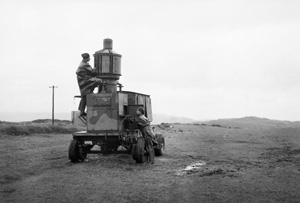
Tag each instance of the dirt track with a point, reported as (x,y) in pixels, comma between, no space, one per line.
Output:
(242,165)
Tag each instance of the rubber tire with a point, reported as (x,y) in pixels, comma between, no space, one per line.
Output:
(140,150)
(74,151)
(158,148)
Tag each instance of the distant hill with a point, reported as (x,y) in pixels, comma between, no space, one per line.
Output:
(23,117)
(27,116)
(49,121)
(245,122)
(161,118)
(253,122)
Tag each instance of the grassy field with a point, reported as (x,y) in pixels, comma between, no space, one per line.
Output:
(233,161)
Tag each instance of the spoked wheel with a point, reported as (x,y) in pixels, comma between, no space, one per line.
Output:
(74,151)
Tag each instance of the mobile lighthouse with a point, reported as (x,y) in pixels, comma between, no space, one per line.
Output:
(106,110)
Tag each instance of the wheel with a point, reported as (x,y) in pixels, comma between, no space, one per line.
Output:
(158,150)
(74,151)
(161,143)
(140,150)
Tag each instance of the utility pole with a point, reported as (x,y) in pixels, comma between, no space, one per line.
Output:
(53,102)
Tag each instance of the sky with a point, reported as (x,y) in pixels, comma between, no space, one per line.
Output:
(198,59)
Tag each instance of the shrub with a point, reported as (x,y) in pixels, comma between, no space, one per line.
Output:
(37,129)
(17,130)
(216,125)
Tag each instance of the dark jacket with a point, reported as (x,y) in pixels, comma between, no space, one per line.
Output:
(86,78)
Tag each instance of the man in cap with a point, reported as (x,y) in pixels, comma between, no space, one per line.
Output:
(86,81)
(143,124)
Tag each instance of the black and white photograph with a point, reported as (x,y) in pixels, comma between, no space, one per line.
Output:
(149,101)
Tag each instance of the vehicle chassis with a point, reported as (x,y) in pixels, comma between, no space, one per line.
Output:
(131,142)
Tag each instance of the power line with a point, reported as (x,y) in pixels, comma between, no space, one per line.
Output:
(53,102)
